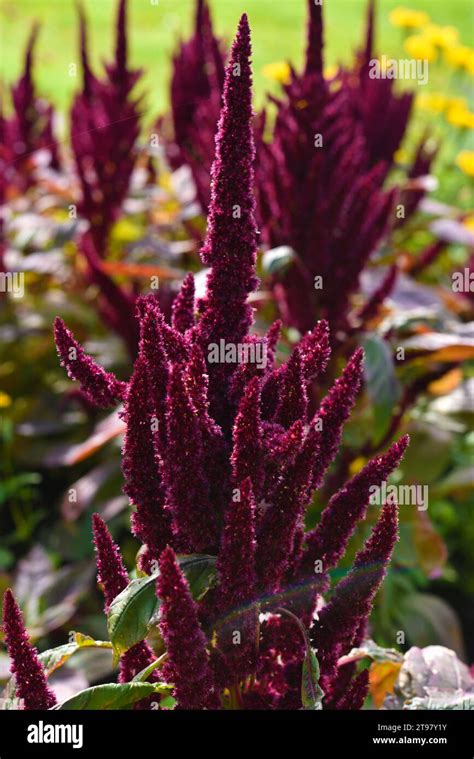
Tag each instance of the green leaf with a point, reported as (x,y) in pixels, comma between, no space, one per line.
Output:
(54,658)
(278,260)
(443,701)
(142,676)
(372,651)
(382,384)
(429,620)
(311,693)
(108,696)
(132,612)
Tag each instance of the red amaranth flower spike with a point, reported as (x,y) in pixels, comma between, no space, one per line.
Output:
(113,577)
(334,412)
(141,466)
(314,49)
(188,660)
(183,305)
(354,697)
(328,541)
(351,603)
(195,95)
(315,351)
(371,307)
(237,585)
(293,398)
(282,519)
(29,128)
(102,388)
(247,454)
(187,486)
(30,679)
(231,241)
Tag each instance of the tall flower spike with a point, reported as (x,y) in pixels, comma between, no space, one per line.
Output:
(293,401)
(183,305)
(113,576)
(141,467)
(314,49)
(247,454)
(153,355)
(334,412)
(327,542)
(188,659)
(231,241)
(111,572)
(236,560)
(88,79)
(102,388)
(282,519)
(30,679)
(237,584)
(355,695)
(371,307)
(351,602)
(315,351)
(194,513)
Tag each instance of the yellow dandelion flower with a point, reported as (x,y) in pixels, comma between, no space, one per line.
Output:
(465,161)
(460,117)
(278,72)
(469,62)
(408,19)
(435,102)
(421,48)
(5,400)
(457,102)
(457,55)
(441,36)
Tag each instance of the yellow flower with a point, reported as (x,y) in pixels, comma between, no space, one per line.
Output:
(401,156)
(460,117)
(5,400)
(408,19)
(457,55)
(469,62)
(465,161)
(278,72)
(357,465)
(458,102)
(420,47)
(441,36)
(331,71)
(469,223)
(435,102)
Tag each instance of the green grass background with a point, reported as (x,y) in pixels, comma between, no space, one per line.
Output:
(278,34)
